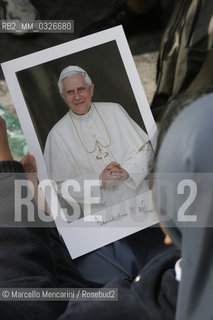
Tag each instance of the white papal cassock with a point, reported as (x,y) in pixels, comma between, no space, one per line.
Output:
(69,145)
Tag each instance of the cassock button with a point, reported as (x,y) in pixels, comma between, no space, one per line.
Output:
(137,279)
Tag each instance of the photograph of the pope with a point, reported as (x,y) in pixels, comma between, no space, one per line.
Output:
(86,118)
(96,140)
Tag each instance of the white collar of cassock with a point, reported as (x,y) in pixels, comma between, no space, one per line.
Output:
(82,116)
(178,270)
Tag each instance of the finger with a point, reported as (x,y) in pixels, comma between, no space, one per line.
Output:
(124,174)
(29,163)
(2,122)
(3,128)
(113,171)
(5,153)
(115,176)
(113,164)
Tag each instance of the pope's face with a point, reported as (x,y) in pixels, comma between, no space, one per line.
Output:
(77,93)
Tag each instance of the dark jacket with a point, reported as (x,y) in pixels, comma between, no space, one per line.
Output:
(151,295)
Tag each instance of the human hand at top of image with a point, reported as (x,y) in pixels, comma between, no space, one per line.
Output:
(112,175)
(29,164)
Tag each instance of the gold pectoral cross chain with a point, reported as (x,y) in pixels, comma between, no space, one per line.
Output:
(101,155)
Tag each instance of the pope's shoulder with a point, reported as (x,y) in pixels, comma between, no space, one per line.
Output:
(102,107)
(108,106)
(60,124)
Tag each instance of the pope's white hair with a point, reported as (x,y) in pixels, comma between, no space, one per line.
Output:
(69,72)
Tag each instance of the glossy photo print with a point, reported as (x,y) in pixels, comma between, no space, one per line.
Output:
(87,121)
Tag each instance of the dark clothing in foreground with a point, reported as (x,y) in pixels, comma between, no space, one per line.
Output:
(150,296)
(37,258)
